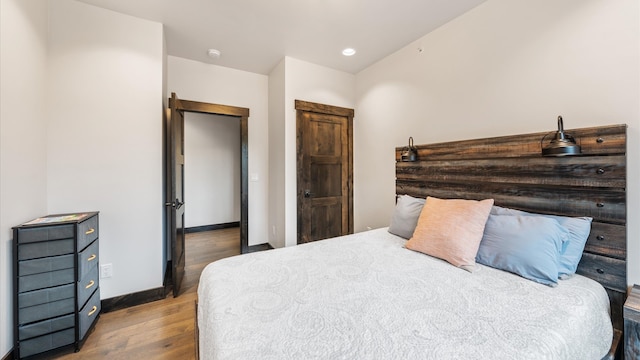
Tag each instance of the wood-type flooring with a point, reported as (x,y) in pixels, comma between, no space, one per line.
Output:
(161,329)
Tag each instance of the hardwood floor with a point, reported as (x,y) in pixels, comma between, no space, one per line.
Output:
(161,329)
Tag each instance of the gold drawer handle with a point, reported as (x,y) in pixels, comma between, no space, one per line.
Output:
(91,283)
(90,231)
(93,309)
(92,257)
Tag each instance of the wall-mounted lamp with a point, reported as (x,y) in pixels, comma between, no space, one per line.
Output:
(562,145)
(409,153)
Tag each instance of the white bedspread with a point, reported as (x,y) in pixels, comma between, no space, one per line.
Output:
(365,296)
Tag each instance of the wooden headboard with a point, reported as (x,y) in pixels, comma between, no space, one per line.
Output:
(512,171)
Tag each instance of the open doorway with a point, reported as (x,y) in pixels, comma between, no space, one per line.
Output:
(212,172)
(175,203)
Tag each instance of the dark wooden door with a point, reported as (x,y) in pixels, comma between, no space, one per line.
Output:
(175,191)
(325,171)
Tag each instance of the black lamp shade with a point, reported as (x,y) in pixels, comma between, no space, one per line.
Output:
(409,153)
(562,145)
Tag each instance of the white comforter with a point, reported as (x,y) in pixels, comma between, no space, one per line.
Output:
(365,296)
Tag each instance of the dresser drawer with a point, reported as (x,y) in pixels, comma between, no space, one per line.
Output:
(42,249)
(47,233)
(89,313)
(36,266)
(45,280)
(87,232)
(47,310)
(47,342)
(33,298)
(88,259)
(87,285)
(47,326)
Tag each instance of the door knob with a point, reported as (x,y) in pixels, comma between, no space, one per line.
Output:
(176,204)
(307,193)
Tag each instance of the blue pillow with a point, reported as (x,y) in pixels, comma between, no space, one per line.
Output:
(529,246)
(405,216)
(579,229)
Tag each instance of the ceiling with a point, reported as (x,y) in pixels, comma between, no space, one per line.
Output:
(254,35)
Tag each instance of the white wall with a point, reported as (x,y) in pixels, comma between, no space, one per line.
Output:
(308,82)
(212,169)
(166,249)
(192,80)
(104,145)
(23,62)
(506,67)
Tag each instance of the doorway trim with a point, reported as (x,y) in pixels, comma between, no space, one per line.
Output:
(243,115)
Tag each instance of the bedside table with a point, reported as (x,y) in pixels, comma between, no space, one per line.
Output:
(632,324)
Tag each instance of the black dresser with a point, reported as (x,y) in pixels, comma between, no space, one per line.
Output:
(56,288)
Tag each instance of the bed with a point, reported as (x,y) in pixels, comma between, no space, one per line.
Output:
(367,296)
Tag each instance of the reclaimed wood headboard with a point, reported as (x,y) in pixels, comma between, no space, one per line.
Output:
(512,171)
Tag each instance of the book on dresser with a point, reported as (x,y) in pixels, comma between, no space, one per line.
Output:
(56,283)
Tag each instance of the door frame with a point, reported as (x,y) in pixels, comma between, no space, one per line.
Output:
(306,106)
(242,114)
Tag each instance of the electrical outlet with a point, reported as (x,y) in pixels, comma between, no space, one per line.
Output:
(106,271)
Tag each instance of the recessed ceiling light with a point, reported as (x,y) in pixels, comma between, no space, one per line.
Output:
(348,52)
(213,53)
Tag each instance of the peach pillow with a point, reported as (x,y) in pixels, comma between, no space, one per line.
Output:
(451,230)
